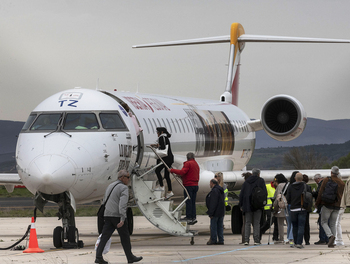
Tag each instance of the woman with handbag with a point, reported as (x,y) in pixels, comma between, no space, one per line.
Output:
(164,151)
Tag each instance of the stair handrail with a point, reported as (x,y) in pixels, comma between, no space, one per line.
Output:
(166,166)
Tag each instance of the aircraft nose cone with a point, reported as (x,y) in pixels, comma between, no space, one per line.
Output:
(51,174)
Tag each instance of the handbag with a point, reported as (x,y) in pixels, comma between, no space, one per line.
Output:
(162,152)
(107,246)
(101,213)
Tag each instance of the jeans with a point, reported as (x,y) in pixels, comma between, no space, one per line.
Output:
(217,229)
(339,237)
(330,215)
(252,218)
(191,204)
(298,222)
(289,224)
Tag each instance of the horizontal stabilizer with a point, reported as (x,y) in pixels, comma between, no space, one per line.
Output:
(242,38)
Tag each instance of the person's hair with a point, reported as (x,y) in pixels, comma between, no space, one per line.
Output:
(305,178)
(122,173)
(280,178)
(214,181)
(292,178)
(256,171)
(125,106)
(246,175)
(190,155)
(317,176)
(298,177)
(163,130)
(221,175)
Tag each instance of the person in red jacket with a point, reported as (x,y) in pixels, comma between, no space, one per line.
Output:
(190,177)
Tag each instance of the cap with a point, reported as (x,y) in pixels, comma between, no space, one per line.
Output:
(335,170)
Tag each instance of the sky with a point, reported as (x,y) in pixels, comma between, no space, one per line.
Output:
(50,46)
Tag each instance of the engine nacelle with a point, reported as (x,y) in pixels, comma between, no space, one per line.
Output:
(283,117)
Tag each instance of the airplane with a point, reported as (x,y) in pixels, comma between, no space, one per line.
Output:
(74,142)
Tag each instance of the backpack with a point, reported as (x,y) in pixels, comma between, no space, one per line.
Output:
(306,200)
(281,199)
(259,198)
(329,195)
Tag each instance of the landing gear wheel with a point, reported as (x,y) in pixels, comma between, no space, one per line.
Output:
(57,237)
(192,241)
(130,219)
(236,220)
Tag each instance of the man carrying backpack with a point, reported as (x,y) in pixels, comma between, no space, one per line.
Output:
(329,197)
(252,200)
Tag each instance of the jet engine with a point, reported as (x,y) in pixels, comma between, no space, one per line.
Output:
(283,117)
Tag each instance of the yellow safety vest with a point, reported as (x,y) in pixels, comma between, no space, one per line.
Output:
(270,194)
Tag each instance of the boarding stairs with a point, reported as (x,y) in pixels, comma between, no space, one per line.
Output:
(155,207)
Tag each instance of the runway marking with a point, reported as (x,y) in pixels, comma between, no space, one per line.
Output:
(217,254)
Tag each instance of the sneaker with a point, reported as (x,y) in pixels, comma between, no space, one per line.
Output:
(320,242)
(185,219)
(279,242)
(159,188)
(299,246)
(246,243)
(339,243)
(211,243)
(291,244)
(331,241)
(192,222)
(169,194)
(100,260)
(257,243)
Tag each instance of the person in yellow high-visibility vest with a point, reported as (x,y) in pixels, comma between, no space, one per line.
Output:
(266,219)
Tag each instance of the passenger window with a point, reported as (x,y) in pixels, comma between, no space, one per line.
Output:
(112,121)
(30,120)
(177,122)
(46,122)
(171,130)
(144,120)
(172,121)
(153,129)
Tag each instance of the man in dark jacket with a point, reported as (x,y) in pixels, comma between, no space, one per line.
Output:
(215,202)
(190,177)
(321,234)
(330,211)
(298,214)
(252,215)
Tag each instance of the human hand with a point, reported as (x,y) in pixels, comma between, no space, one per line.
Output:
(121,223)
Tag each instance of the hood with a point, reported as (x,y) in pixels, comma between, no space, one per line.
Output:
(298,185)
(219,188)
(252,179)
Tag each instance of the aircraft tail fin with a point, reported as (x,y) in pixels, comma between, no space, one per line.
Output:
(237,39)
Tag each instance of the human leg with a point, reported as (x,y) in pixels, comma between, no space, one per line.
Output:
(167,178)
(301,227)
(256,225)
(280,224)
(107,232)
(159,175)
(248,223)
(214,229)
(322,234)
(275,229)
(188,203)
(266,224)
(125,238)
(307,229)
(332,221)
(220,228)
(339,237)
(325,216)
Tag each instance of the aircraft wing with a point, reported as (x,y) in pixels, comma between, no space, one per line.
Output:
(10,180)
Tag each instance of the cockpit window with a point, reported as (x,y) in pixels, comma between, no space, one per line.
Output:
(46,122)
(29,121)
(112,121)
(78,121)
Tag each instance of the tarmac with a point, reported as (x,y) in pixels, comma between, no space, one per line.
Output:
(158,247)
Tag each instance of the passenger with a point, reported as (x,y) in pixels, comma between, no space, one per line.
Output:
(323,239)
(330,211)
(345,202)
(267,217)
(115,218)
(298,214)
(190,178)
(252,215)
(281,184)
(245,175)
(163,143)
(307,222)
(215,202)
(339,237)
(288,215)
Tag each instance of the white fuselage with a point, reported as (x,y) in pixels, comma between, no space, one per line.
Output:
(84,158)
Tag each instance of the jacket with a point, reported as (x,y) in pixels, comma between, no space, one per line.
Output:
(118,201)
(163,140)
(279,188)
(245,196)
(294,194)
(336,204)
(215,202)
(189,173)
(345,200)
(270,194)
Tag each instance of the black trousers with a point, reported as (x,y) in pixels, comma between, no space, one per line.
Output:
(108,229)
(166,174)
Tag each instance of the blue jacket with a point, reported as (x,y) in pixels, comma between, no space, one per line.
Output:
(215,202)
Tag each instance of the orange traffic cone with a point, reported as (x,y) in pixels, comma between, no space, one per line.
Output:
(33,241)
